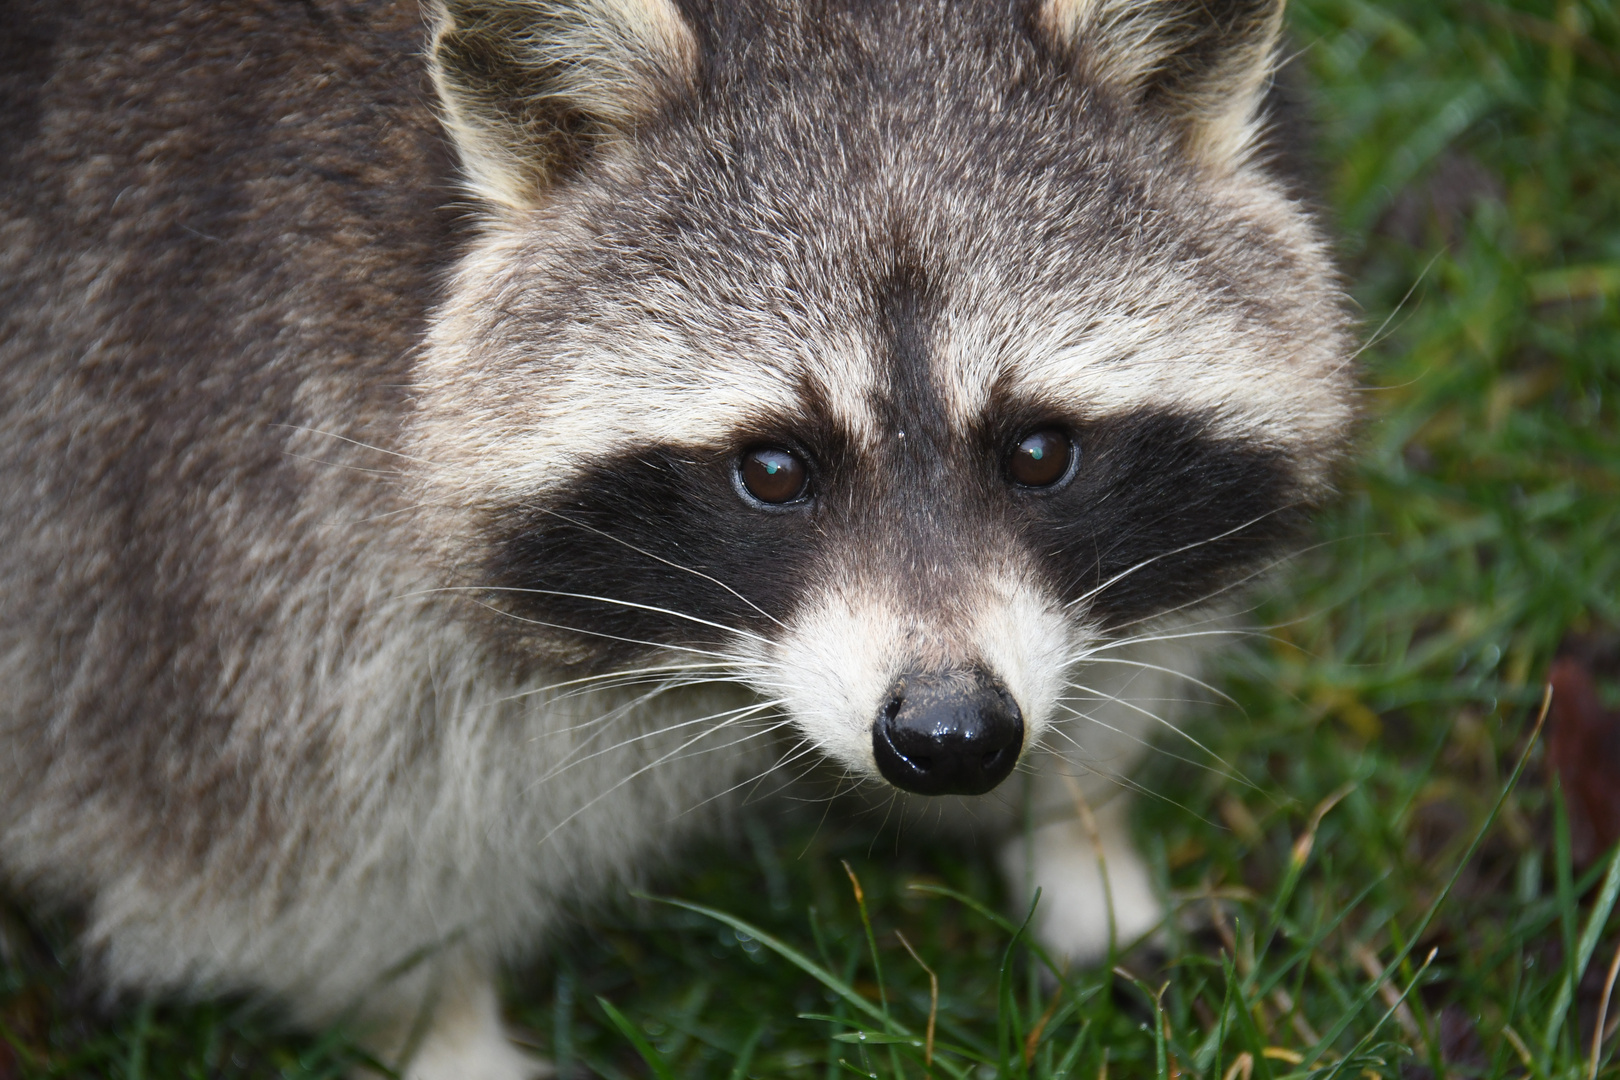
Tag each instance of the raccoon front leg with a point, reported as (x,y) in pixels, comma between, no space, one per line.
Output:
(456,1034)
(1096,893)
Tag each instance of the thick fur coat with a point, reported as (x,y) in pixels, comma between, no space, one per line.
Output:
(379,565)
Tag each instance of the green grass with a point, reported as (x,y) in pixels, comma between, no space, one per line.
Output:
(1433,923)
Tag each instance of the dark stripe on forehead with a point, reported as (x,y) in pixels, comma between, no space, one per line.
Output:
(907,310)
(924,495)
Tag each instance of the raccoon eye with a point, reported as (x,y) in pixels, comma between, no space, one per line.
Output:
(773,475)
(1042,458)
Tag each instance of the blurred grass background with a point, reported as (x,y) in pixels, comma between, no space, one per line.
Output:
(1469,159)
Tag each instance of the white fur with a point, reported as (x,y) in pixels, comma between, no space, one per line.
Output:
(1076,915)
(843,655)
(465,1040)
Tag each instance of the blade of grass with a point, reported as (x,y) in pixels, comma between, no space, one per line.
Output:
(933,1002)
(1072,1054)
(1052,1016)
(135,1065)
(871,938)
(745,1053)
(790,954)
(655,1061)
(1595,923)
(1242,1011)
(1348,1017)
(1060,972)
(879,1037)
(1161,1053)
(1299,855)
(1310,943)
(1564,876)
(877,961)
(1366,1040)
(1598,1032)
(1007,1017)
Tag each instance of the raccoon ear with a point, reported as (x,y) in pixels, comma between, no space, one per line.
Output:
(530,89)
(1204,63)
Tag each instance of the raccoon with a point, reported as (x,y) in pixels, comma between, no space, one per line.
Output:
(451,451)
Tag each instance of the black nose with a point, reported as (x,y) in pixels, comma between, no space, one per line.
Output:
(952,733)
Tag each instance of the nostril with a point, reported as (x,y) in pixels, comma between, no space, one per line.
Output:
(891,710)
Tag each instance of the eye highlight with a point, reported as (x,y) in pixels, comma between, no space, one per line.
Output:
(1042,458)
(773,475)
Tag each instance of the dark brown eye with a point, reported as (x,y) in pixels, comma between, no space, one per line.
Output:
(773,475)
(1041,459)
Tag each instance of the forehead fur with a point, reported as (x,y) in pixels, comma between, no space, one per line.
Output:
(738,260)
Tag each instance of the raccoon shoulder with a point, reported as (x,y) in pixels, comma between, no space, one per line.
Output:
(221,227)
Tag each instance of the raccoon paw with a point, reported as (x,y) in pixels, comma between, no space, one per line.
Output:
(489,1056)
(467,1041)
(1073,917)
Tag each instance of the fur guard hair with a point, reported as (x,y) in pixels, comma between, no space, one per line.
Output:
(377,577)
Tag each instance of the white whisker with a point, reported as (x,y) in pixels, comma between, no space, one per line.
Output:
(1117,779)
(598,599)
(666,684)
(1156,718)
(598,633)
(1144,665)
(354,442)
(610,679)
(1226,772)
(659,558)
(570,761)
(797,750)
(614,713)
(673,754)
(1378,335)
(1111,582)
(1228,587)
(394,473)
(1091,651)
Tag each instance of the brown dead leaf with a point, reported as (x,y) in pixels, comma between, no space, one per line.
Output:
(1583,748)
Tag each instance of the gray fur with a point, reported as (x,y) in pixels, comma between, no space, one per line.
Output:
(294,457)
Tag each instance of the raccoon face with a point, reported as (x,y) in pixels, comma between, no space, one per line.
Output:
(888,359)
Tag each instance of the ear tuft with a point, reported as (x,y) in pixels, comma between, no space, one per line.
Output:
(530,89)
(1205,64)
